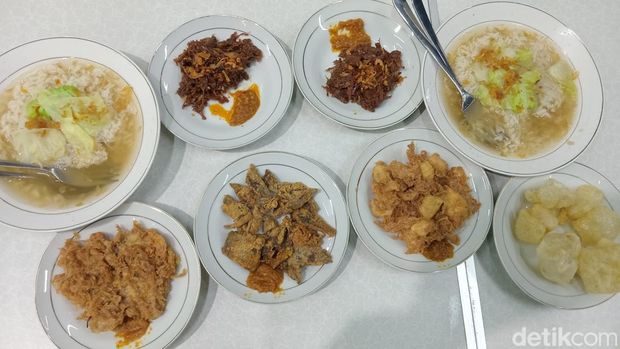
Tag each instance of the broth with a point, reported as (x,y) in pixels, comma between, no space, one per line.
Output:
(510,133)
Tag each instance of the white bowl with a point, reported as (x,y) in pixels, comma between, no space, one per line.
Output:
(13,63)
(590,90)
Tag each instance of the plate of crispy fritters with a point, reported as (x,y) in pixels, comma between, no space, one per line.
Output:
(129,279)
(416,203)
(272,227)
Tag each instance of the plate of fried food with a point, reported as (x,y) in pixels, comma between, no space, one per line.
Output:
(272,227)
(356,64)
(416,203)
(223,82)
(130,279)
(558,236)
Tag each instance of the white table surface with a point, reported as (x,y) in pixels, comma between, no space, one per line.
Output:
(369,305)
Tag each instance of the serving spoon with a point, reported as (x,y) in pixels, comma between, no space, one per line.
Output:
(429,40)
(66,176)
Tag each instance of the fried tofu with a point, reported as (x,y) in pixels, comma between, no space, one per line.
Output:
(439,165)
(422,202)
(265,279)
(428,172)
(430,205)
(456,207)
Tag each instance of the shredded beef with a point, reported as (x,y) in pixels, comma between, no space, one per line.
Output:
(210,68)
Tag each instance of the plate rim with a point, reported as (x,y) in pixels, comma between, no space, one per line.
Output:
(499,236)
(156,124)
(125,209)
(594,65)
(345,239)
(418,93)
(355,216)
(287,90)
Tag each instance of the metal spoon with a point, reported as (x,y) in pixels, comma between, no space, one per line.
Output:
(67,176)
(429,40)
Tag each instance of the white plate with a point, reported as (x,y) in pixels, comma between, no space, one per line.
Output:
(312,56)
(589,108)
(519,259)
(393,146)
(272,74)
(15,62)
(59,317)
(210,234)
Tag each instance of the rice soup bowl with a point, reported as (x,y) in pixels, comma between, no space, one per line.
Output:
(539,92)
(73,114)
(81,106)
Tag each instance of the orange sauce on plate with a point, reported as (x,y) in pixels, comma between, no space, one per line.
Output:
(347,34)
(245,105)
(265,279)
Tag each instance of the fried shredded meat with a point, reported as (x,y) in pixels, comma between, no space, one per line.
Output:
(209,68)
(365,75)
(119,284)
(277,229)
(422,202)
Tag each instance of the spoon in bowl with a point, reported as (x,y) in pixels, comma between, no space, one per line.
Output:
(68,176)
(428,39)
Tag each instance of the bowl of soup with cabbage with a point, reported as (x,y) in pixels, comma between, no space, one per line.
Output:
(538,92)
(72,114)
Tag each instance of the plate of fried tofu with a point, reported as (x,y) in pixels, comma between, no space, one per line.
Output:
(272,227)
(416,203)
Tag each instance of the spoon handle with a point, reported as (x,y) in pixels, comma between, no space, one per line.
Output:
(25,166)
(422,16)
(17,174)
(405,13)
